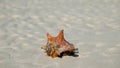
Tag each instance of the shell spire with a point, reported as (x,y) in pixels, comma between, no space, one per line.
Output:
(60,36)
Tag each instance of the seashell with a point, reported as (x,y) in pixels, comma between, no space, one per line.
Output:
(58,46)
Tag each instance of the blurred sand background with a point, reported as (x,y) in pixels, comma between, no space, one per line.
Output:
(93,26)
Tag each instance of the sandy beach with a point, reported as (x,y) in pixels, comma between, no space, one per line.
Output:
(93,26)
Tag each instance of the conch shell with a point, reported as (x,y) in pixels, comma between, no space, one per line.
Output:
(58,46)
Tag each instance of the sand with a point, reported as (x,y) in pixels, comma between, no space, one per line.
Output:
(93,26)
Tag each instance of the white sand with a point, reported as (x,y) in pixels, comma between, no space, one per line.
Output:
(92,26)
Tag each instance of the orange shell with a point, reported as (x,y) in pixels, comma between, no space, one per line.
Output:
(57,46)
